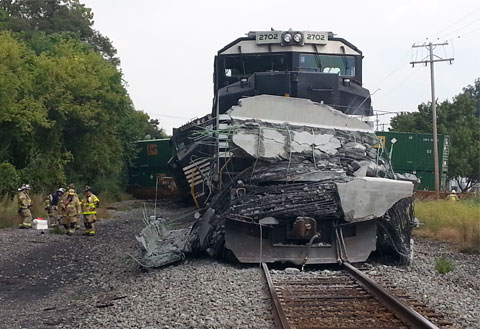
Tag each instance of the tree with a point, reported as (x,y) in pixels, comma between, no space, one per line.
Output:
(65,114)
(30,18)
(460,120)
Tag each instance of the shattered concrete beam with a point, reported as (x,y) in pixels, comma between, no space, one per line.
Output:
(365,198)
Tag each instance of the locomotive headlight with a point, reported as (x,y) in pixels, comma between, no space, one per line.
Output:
(287,37)
(297,37)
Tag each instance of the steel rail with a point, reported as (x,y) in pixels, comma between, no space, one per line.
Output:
(394,304)
(280,315)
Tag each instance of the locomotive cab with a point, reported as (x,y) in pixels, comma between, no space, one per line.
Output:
(311,65)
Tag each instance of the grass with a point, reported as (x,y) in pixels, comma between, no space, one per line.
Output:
(9,208)
(444,264)
(57,230)
(457,222)
(8,212)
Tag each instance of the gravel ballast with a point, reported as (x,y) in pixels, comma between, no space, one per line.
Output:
(455,294)
(56,281)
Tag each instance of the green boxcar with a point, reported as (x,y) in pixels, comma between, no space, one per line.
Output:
(427,180)
(151,165)
(413,153)
(153,153)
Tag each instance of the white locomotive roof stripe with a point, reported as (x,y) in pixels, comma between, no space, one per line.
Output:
(250,46)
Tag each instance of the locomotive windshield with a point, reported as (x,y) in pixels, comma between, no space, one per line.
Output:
(343,65)
(246,65)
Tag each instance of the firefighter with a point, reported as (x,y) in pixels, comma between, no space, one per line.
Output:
(71,210)
(89,205)
(453,196)
(51,206)
(24,206)
(71,187)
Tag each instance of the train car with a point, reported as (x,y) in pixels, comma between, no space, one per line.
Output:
(284,168)
(412,153)
(149,176)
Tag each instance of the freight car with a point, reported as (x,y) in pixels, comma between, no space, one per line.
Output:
(149,175)
(284,168)
(412,153)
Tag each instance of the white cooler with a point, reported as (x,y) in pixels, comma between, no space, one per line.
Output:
(40,224)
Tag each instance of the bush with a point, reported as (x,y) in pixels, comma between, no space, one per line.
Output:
(109,189)
(444,264)
(8,179)
(8,215)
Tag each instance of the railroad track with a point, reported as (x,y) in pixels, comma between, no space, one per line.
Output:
(339,299)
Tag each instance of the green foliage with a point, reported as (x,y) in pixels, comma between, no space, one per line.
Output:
(9,179)
(31,19)
(57,230)
(65,113)
(8,215)
(459,119)
(443,264)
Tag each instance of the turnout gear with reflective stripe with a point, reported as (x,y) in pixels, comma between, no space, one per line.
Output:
(24,201)
(71,211)
(24,205)
(89,228)
(452,197)
(90,203)
(71,205)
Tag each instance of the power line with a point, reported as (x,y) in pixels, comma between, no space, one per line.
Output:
(399,83)
(452,24)
(397,67)
(446,35)
(466,33)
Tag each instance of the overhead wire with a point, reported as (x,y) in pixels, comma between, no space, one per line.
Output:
(394,86)
(397,67)
(467,33)
(455,22)
(452,33)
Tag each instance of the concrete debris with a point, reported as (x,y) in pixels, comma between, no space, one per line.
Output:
(291,270)
(370,197)
(306,113)
(314,166)
(408,177)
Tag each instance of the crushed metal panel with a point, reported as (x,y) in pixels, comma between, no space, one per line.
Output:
(365,198)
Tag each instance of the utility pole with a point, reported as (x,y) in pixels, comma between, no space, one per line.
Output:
(432,58)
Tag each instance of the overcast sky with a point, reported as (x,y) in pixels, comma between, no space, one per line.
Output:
(167,48)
